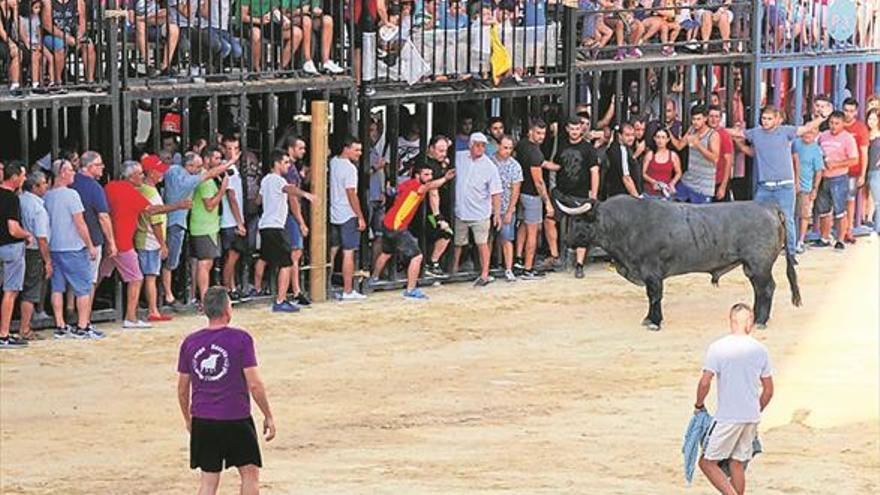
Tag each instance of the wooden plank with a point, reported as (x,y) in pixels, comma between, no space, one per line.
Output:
(318,233)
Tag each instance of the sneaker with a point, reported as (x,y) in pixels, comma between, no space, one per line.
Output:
(579,271)
(310,69)
(331,67)
(621,54)
(434,270)
(509,276)
(62,332)
(302,300)
(634,53)
(482,282)
(531,274)
(839,246)
(800,248)
(175,306)
(94,332)
(372,283)
(135,324)
(234,295)
(549,264)
(284,307)
(415,295)
(12,342)
(821,243)
(90,332)
(159,317)
(519,264)
(353,296)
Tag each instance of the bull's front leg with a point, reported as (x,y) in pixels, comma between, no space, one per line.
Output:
(654,288)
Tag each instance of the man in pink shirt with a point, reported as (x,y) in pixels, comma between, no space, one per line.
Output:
(841,152)
(724,165)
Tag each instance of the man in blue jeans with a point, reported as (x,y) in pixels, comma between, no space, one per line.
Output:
(774,169)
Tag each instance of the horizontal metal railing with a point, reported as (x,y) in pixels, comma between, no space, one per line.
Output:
(804,26)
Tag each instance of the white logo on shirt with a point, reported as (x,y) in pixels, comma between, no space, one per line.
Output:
(210,363)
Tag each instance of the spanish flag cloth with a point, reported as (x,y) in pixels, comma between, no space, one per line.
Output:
(502,62)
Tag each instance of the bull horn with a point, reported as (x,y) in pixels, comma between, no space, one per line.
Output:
(580,210)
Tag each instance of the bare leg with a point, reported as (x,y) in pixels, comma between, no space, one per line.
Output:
(716,476)
(171,45)
(204,277)
(439,248)
(738,476)
(507,252)
(250,479)
(232,257)
(552,236)
(27,313)
(295,257)
(347,270)
(531,246)
(209,483)
(166,284)
(59,65)
(83,303)
(6,308)
(580,255)
(520,239)
(307,37)
(150,294)
(825,222)
(283,280)
(326,37)
(134,294)
(484,260)
(256,48)
(456,257)
(57,308)
(379,265)
(412,272)
(259,270)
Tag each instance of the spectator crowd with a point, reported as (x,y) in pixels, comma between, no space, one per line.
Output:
(488,191)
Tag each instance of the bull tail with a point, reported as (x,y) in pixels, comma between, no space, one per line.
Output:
(790,272)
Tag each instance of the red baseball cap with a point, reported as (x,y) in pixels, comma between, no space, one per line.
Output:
(171,123)
(153,162)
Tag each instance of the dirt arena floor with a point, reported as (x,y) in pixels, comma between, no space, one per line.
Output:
(541,387)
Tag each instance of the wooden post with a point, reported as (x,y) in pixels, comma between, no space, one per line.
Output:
(318,225)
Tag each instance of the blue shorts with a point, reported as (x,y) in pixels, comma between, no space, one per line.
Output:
(690,24)
(346,235)
(686,194)
(150,261)
(294,233)
(54,43)
(13,266)
(174,240)
(832,196)
(72,268)
(508,232)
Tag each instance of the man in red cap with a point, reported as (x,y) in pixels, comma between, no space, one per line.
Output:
(127,205)
(149,240)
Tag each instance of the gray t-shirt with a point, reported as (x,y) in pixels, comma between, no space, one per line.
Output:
(218,15)
(34,217)
(178,18)
(275,206)
(475,183)
(343,175)
(700,175)
(62,204)
(773,152)
(739,362)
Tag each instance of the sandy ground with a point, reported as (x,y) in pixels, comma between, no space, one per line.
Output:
(535,387)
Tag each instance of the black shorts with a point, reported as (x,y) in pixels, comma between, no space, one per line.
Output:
(401,242)
(230,239)
(34,275)
(366,24)
(275,247)
(215,445)
(204,247)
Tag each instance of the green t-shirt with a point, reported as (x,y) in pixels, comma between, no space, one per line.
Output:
(259,8)
(144,238)
(202,221)
(312,4)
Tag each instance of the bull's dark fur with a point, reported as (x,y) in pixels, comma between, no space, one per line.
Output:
(652,240)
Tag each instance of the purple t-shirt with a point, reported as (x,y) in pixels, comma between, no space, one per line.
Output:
(215,361)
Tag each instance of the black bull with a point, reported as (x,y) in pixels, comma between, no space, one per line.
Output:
(651,240)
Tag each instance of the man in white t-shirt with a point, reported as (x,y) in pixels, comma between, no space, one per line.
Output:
(233,233)
(274,243)
(478,191)
(346,218)
(745,387)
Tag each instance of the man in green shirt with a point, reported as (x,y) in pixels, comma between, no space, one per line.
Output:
(204,220)
(269,20)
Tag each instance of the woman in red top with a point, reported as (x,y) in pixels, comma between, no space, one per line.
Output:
(661,168)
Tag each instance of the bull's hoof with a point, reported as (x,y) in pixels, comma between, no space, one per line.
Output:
(654,327)
(761,326)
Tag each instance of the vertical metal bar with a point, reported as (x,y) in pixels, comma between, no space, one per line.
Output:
(618,102)
(155,124)
(85,132)
(186,128)
(664,87)
(685,99)
(798,95)
(53,122)
(127,132)
(213,118)
(24,129)
(728,96)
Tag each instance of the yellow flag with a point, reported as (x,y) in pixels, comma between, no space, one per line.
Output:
(502,62)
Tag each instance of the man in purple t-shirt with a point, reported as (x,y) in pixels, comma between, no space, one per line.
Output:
(218,372)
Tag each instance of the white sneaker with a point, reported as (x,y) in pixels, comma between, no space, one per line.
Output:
(309,68)
(136,324)
(331,67)
(353,296)
(509,276)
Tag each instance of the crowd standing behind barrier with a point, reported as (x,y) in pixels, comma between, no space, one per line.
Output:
(206,194)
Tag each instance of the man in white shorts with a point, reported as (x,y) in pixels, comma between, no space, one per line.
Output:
(745,387)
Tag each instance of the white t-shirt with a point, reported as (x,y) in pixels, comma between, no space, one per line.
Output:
(343,175)
(475,183)
(739,362)
(275,206)
(227,219)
